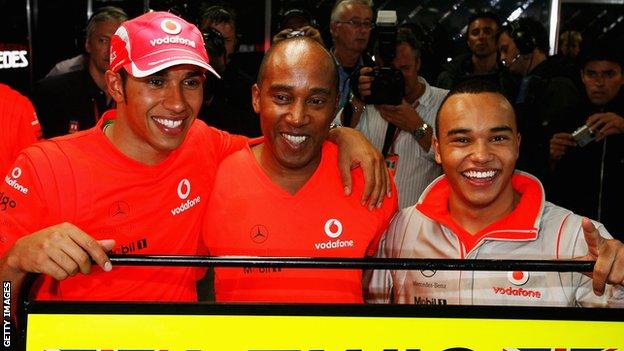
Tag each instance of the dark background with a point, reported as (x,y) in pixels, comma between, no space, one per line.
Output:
(56,27)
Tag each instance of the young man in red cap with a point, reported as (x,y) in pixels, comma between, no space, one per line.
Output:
(136,183)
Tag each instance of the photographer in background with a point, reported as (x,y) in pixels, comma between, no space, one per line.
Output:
(402,131)
(588,163)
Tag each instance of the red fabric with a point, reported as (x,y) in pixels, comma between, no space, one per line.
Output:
(83,179)
(245,203)
(20,126)
(520,224)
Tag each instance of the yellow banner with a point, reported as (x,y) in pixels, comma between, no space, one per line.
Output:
(327,333)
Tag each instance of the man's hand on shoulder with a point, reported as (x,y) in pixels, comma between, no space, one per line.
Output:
(609,257)
(61,251)
(355,150)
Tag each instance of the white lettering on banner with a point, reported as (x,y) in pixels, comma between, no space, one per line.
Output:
(13,59)
(172,40)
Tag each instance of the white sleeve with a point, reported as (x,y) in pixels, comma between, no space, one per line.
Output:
(378,283)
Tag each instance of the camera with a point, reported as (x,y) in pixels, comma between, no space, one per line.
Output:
(388,85)
(583,135)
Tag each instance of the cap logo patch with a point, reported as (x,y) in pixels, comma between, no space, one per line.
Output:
(170,26)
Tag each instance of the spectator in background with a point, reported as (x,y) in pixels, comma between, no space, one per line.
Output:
(350,26)
(299,21)
(408,148)
(20,126)
(76,100)
(570,43)
(545,95)
(590,178)
(482,60)
(227,101)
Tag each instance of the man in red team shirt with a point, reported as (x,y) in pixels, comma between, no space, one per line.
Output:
(20,126)
(141,177)
(287,194)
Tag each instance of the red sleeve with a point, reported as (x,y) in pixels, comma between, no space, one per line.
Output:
(388,208)
(21,123)
(22,207)
(223,143)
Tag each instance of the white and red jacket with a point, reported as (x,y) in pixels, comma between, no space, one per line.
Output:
(534,230)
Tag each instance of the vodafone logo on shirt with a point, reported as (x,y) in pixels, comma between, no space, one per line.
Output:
(333,229)
(184,191)
(13,183)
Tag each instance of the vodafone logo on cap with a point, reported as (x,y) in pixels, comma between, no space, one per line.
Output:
(518,277)
(170,26)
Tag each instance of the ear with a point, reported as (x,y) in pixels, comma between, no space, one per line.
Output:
(417,64)
(519,140)
(332,28)
(114,86)
(436,149)
(255,98)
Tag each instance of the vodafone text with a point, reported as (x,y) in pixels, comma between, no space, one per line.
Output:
(186,205)
(517,292)
(173,40)
(15,185)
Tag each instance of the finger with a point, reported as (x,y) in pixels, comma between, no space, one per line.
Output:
(64,261)
(378,190)
(616,276)
(51,268)
(92,247)
(592,237)
(345,176)
(79,257)
(369,181)
(603,267)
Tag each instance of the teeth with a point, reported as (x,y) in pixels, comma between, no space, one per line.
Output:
(169,123)
(480,175)
(295,139)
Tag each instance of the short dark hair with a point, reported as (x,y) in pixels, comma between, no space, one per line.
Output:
(527,33)
(484,14)
(217,14)
(471,86)
(407,36)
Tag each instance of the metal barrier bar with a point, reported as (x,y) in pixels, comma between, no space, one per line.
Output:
(357,263)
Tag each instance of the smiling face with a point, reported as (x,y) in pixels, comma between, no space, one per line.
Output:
(155,113)
(296,99)
(477,146)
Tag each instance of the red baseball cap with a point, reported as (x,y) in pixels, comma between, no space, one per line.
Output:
(155,41)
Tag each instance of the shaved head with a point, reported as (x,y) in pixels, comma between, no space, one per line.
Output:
(292,50)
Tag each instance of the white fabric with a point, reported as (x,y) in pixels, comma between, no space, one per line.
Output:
(417,167)
(413,235)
